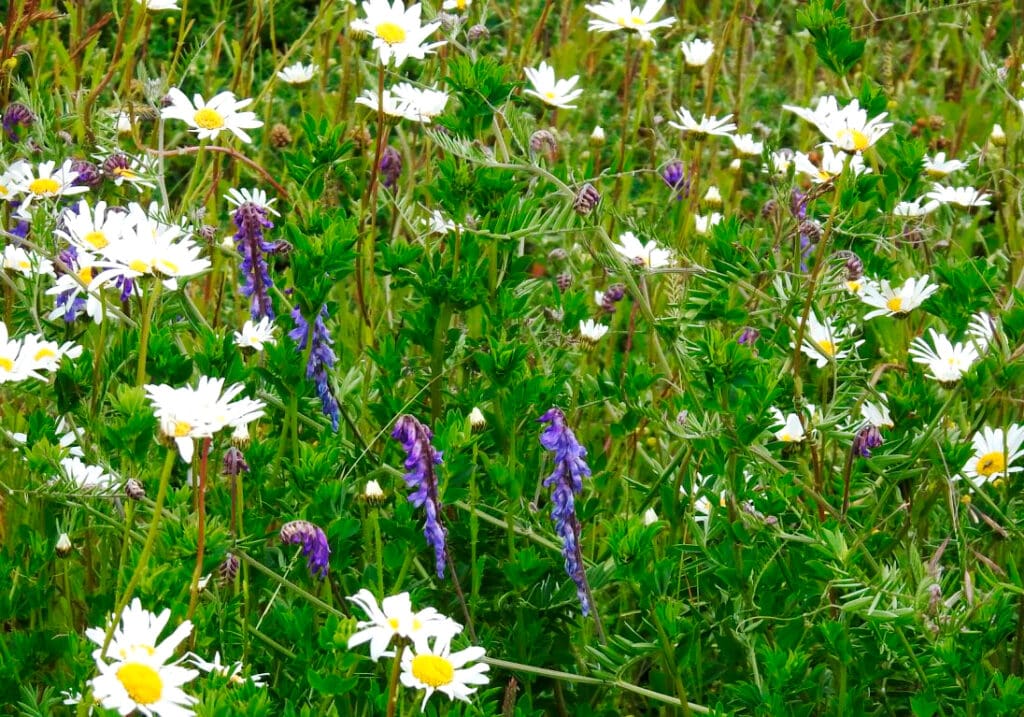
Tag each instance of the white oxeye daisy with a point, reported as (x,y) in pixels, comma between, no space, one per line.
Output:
(137,635)
(9,189)
(237,197)
(746,145)
(437,669)
(209,118)
(896,302)
(549,90)
(92,228)
(831,164)
(788,428)
(158,5)
(723,127)
(876,413)
(43,355)
(847,127)
(188,413)
(615,15)
(994,452)
(597,136)
(982,330)
(702,506)
(648,255)
(961,196)
(47,181)
(232,672)
(780,163)
(457,5)
(419,105)
(255,335)
(26,263)
(938,166)
(397,32)
(297,74)
(821,341)
(147,685)
(591,331)
(437,223)
(696,53)
(393,617)
(703,224)
(87,477)
(947,362)
(915,208)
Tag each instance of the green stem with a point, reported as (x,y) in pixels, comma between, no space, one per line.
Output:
(147,320)
(396,670)
(437,354)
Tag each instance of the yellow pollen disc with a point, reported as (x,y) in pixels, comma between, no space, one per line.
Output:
(390,33)
(550,95)
(936,173)
(637,20)
(4,191)
(824,176)
(85,274)
(895,305)
(6,364)
(997,483)
(44,353)
(786,438)
(432,670)
(991,464)
(24,265)
(965,499)
(44,187)
(460,4)
(417,624)
(181,429)
(169,267)
(827,347)
(853,139)
(853,286)
(97,240)
(126,173)
(393,622)
(208,119)
(141,682)
(140,266)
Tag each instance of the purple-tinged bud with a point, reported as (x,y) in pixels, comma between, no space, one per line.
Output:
(769,209)
(558,255)
(134,490)
(477,33)
(586,199)
(867,439)
(88,174)
(798,204)
(564,281)
(234,463)
(674,175)
(16,115)
(749,336)
(543,142)
(854,266)
(314,545)
(228,570)
(390,166)
(810,229)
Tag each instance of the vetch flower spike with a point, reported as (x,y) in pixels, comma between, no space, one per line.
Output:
(419,464)
(314,544)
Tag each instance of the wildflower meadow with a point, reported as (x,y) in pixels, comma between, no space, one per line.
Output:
(518,357)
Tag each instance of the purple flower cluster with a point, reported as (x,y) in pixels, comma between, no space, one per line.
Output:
(390,166)
(867,439)
(252,219)
(567,480)
(16,115)
(421,457)
(675,176)
(321,358)
(314,544)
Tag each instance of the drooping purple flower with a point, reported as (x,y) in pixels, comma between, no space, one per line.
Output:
(314,545)
(16,115)
(867,439)
(321,358)
(421,457)
(390,166)
(674,175)
(251,219)
(566,480)
(88,173)
(749,336)
(71,301)
(234,462)
(611,296)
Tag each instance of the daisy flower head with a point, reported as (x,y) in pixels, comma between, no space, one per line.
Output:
(395,616)
(591,331)
(158,5)
(137,635)
(831,164)
(9,189)
(960,196)
(436,669)
(255,335)
(723,127)
(86,477)
(821,341)
(899,301)
(847,127)
(121,168)
(876,413)
(982,331)
(696,53)
(24,262)
(419,105)
(648,255)
(746,146)
(551,91)
(298,74)
(237,197)
(457,5)
(47,181)
(92,228)
(397,31)
(788,428)
(938,166)
(914,208)
(615,15)
(947,362)
(209,119)
(43,355)
(994,452)
(232,672)
(703,224)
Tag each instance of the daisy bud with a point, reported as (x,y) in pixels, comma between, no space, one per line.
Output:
(228,570)
(997,136)
(280,136)
(373,493)
(134,490)
(543,142)
(234,463)
(564,281)
(477,422)
(736,165)
(713,197)
(478,33)
(591,332)
(597,136)
(586,199)
(63,546)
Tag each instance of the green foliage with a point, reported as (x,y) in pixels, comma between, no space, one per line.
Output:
(827,23)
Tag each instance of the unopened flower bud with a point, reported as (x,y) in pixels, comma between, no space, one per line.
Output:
(88,174)
(228,570)
(564,281)
(713,197)
(373,493)
(749,336)
(280,136)
(134,490)
(597,136)
(63,546)
(558,254)
(997,136)
(390,166)
(477,421)
(234,463)
(543,142)
(810,229)
(586,199)
(867,438)
(477,33)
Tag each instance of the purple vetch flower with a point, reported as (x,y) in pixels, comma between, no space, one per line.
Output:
(234,462)
(252,218)
(321,358)
(867,439)
(421,457)
(16,115)
(749,336)
(674,175)
(567,480)
(88,173)
(314,544)
(390,166)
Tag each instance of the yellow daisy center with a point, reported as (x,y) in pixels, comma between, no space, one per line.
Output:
(853,139)
(786,438)
(827,347)
(432,670)
(141,682)
(169,267)
(460,4)
(44,186)
(936,173)
(125,172)
(140,266)
(182,429)
(991,463)
(4,191)
(417,624)
(209,119)
(44,353)
(97,240)
(824,176)
(393,622)
(6,364)
(390,33)
(550,95)
(895,304)
(853,286)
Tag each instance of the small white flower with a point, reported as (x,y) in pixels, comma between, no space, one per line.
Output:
(237,197)
(93,229)
(915,208)
(650,517)
(232,672)
(397,32)
(46,182)
(121,168)
(896,302)
(821,341)
(209,118)
(457,5)
(393,617)
(254,336)
(696,53)
(298,74)
(477,420)
(938,166)
(591,331)
(438,224)
(746,145)
(615,15)
(781,161)
(597,136)
(703,224)
(723,127)
(137,635)
(947,362)
(847,127)
(551,91)
(831,164)
(373,491)
(26,263)
(994,452)
(419,105)
(982,331)
(647,255)
(961,196)
(158,5)
(713,197)
(88,477)
(789,429)
(434,668)
(876,413)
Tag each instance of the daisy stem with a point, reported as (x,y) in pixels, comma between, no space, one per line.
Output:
(147,549)
(625,120)
(197,573)
(147,320)
(396,670)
